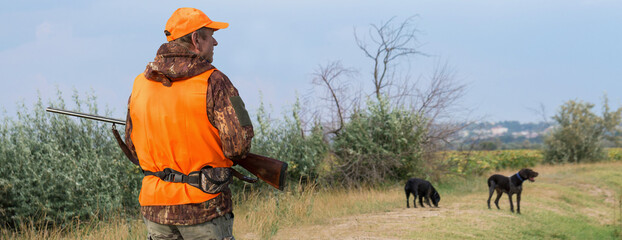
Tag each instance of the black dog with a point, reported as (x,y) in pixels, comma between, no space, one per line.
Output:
(510,185)
(421,188)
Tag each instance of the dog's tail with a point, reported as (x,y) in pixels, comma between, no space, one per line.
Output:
(492,181)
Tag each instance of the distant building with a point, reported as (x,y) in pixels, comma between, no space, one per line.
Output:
(498,131)
(463,133)
(526,134)
(549,129)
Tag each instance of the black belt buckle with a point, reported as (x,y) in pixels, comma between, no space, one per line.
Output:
(177,177)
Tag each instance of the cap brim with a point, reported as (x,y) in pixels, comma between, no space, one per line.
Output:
(217,25)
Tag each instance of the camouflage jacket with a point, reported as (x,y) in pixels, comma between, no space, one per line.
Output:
(174,62)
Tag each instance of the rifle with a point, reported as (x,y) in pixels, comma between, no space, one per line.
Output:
(269,170)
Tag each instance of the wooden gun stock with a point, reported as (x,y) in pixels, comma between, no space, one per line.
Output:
(271,171)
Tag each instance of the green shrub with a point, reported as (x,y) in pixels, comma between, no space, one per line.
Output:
(480,162)
(614,154)
(580,134)
(378,144)
(287,141)
(57,169)
(517,159)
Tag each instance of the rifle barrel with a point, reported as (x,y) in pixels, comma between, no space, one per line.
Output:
(87,116)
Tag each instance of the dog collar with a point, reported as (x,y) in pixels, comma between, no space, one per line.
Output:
(519,178)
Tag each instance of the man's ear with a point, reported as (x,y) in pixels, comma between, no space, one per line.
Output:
(195,41)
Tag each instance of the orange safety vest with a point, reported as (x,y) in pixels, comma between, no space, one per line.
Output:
(170,129)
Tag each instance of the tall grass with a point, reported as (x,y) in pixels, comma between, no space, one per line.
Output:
(260,216)
(618,218)
(115,227)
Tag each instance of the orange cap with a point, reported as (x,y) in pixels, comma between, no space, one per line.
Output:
(187,20)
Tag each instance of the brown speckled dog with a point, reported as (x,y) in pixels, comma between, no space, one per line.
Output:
(510,185)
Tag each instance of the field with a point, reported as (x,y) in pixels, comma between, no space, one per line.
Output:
(566,202)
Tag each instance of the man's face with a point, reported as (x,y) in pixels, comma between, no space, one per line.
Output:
(205,46)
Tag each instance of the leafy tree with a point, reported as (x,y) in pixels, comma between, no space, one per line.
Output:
(489,145)
(580,133)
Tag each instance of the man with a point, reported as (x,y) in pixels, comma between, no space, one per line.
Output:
(183,116)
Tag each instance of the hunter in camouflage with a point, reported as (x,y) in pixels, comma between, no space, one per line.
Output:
(175,61)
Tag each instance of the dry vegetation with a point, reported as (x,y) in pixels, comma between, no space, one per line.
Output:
(566,202)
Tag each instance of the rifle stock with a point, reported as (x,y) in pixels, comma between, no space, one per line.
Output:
(270,170)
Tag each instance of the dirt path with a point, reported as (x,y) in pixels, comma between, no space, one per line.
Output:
(367,226)
(387,225)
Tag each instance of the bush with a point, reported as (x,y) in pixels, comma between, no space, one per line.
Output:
(377,145)
(614,154)
(467,163)
(580,133)
(59,169)
(287,141)
(517,159)
(481,162)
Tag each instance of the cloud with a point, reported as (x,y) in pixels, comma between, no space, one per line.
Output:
(48,31)
(43,30)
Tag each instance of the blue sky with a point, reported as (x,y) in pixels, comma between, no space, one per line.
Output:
(513,55)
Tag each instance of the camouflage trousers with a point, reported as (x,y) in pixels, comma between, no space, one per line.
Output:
(220,228)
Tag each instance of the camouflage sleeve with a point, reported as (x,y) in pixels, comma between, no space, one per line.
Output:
(226,112)
(128,131)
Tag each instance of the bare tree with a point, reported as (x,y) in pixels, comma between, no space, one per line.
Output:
(541,112)
(432,101)
(436,97)
(389,42)
(332,78)
(441,95)
(439,103)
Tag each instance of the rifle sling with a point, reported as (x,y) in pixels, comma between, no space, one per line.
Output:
(243,177)
(124,147)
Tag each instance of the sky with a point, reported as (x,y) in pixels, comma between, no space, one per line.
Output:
(512,55)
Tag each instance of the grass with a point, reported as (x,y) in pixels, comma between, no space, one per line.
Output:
(566,202)
(118,228)
(262,217)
